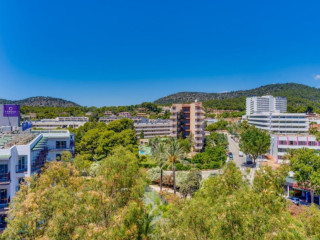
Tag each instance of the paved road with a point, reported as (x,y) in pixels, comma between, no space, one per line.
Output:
(234,148)
(240,161)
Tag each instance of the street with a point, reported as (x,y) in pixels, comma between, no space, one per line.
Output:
(240,161)
(234,148)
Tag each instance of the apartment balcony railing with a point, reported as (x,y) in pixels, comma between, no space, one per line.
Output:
(4,202)
(21,168)
(4,177)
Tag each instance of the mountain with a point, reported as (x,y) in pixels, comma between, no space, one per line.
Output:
(41,101)
(299,97)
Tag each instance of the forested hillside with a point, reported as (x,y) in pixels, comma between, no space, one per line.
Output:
(299,96)
(41,102)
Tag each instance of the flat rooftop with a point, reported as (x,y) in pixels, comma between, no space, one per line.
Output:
(8,140)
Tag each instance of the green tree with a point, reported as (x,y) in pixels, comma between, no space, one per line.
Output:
(211,158)
(174,154)
(62,204)
(228,207)
(159,154)
(120,125)
(66,156)
(142,134)
(254,142)
(306,166)
(191,184)
(220,125)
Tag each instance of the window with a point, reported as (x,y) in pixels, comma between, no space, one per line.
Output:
(22,164)
(312,143)
(61,144)
(3,196)
(3,172)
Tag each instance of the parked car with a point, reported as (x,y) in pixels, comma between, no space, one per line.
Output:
(249,160)
(230,156)
(240,154)
(295,200)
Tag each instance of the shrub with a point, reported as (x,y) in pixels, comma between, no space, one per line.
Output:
(153,174)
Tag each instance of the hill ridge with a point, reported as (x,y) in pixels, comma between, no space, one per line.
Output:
(42,101)
(298,95)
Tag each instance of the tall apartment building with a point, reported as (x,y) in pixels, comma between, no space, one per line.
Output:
(187,119)
(24,153)
(269,113)
(265,104)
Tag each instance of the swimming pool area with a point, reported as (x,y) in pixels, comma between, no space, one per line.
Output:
(145,151)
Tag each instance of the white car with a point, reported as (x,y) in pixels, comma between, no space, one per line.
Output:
(241,154)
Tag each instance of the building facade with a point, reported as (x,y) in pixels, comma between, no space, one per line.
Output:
(150,128)
(153,128)
(282,123)
(281,144)
(265,104)
(60,122)
(24,154)
(188,119)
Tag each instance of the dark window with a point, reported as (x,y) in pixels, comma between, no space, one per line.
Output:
(3,196)
(61,144)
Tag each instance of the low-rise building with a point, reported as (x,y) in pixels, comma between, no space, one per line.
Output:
(282,144)
(25,153)
(153,128)
(113,118)
(60,122)
(124,114)
(150,128)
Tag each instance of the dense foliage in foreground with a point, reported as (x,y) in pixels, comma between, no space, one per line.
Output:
(63,204)
(228,207)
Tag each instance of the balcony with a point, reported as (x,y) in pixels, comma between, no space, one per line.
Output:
(198,134)
(4,178)
(4,202)
(21,168)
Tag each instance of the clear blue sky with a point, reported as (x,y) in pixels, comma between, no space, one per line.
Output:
(126,52)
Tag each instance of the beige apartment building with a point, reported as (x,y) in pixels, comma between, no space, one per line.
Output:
(188,119)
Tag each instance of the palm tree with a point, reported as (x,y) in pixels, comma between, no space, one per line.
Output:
(175,154)
(159,154)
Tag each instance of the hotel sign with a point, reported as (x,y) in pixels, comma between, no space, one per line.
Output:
(11,110)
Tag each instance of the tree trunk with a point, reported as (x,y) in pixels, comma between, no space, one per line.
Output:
(161,177)
(174,177)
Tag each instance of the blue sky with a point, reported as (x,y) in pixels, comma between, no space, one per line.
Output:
(126,52)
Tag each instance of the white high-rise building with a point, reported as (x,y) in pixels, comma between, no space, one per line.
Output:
(265,104)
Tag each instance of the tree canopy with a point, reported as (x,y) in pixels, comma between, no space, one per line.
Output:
(254,142)
(62,204)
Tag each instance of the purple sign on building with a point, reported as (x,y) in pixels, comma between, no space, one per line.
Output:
(11,110)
